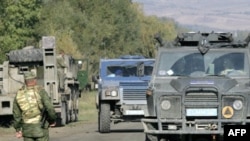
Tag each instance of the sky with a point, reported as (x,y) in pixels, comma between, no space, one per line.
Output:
(216,14)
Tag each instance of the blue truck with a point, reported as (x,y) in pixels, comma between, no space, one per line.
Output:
(122,85)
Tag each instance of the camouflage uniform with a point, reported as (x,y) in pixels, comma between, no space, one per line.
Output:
(61,65)
(27,107)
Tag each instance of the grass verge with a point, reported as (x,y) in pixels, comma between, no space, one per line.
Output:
(87,107)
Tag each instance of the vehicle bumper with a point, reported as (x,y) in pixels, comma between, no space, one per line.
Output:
(176,126)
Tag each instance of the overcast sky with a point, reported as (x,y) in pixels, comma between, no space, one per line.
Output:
(228,14)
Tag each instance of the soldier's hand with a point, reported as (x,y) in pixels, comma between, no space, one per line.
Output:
(19,134)
(53,124)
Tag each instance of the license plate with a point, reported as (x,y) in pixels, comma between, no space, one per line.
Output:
(201,112)
(134,112)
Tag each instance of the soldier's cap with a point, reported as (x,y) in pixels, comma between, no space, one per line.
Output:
(29,75)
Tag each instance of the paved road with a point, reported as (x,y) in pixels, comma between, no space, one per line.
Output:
(119,132)
(88,132)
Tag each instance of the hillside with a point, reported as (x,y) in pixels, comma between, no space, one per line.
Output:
(229,15)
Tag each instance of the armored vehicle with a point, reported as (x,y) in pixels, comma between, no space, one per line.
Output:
(200,83)
(43,62)
(121,90)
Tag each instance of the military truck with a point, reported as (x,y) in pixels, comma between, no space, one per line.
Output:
(43,62)
(122,85)
(200,83)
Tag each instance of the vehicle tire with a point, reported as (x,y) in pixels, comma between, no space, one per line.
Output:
(75,102)
(69,116)
(70,112)
(76,115)
(104,117)
(76,110)
(64,113)
(25,55)
(150,137)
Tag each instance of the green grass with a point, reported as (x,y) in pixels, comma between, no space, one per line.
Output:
(87,107)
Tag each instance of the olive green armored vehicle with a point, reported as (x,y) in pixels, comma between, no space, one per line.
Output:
(200,83)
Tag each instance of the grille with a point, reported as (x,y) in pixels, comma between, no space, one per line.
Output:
(201,97)
(134,90)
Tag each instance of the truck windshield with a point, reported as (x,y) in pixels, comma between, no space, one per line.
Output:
(127,71)
(215,62)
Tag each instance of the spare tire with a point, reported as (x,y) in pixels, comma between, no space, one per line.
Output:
(25,55)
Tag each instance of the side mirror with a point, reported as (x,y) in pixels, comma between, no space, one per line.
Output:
(95,78)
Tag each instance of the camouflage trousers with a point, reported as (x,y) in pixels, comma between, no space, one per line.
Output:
(61,77)
(44,138)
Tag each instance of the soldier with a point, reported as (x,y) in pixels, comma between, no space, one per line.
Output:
(61,65)
(228,67)
(118,72)
(28,106)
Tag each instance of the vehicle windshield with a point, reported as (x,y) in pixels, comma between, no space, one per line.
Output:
(128,71)
(215,62)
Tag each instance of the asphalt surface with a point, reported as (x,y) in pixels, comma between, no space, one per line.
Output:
(88,132)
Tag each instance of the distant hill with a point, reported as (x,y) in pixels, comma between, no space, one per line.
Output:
(224,15)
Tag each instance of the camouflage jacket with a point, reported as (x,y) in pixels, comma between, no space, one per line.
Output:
(61,62)
(30,114)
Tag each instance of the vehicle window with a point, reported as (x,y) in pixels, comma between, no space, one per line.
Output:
(126,71)
(212,63)
(230,64)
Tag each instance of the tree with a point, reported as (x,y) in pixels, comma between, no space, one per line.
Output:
(101,29)
(90,29)
(18,20)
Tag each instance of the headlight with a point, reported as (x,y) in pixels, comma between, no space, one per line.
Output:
(165,104)
(113,93)
(237,104)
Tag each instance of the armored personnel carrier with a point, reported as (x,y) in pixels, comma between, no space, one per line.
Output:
(43,62)
(122,85)
(200,83)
